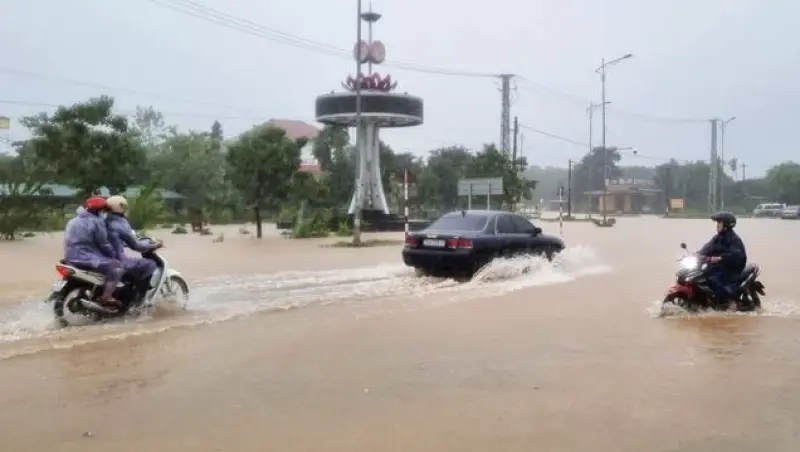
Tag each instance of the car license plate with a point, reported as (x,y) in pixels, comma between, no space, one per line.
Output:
(58,285)
(433,243)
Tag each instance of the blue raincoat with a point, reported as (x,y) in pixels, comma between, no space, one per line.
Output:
(120,235)
(86,241)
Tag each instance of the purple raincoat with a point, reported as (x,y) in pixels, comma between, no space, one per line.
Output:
(120,235)
(86,241)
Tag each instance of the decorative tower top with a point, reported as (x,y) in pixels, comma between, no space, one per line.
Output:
(370,52)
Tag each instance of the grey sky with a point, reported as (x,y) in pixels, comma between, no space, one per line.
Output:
(693,59)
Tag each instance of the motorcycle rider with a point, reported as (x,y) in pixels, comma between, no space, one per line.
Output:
(726,256)
(120,235)
(86,245)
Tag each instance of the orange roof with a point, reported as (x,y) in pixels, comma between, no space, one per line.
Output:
(309,168)
(295,129)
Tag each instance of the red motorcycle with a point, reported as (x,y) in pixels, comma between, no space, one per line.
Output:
(692,290)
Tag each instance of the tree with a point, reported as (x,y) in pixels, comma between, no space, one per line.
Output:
(589,174)
(783,182)
(329,140)
(150,127)
(437,183)
(491,162)
(22,187)
(89,146)
(263,163)
(192,164)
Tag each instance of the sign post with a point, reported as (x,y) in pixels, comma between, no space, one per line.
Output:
(484,186)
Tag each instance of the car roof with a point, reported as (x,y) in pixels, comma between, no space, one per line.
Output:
(478,213)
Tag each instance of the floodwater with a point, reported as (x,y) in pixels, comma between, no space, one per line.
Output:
(290,346)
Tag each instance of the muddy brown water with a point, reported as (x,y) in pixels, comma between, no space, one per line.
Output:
(289,346)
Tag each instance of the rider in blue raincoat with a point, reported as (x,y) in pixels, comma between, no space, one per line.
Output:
(121,235)
(86,245)
(727,256)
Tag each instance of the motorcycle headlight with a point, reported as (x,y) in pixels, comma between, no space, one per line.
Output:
(689,262)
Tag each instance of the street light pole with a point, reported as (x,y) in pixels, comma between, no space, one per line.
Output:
(590,111)
(722,161)
(602,71)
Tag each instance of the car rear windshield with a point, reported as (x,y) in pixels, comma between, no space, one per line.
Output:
(460,222)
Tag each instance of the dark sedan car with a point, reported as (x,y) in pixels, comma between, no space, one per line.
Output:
(459,243)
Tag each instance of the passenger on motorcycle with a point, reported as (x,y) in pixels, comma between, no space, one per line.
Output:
(726,256)
(121,235)
(86,245)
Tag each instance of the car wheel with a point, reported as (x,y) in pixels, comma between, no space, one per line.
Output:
(421,272)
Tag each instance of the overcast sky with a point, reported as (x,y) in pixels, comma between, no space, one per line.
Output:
(693,60)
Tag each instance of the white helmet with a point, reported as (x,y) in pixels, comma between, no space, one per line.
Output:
(117,204)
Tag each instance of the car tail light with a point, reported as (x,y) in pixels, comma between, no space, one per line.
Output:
(459,244)
(411,241)
(65,272)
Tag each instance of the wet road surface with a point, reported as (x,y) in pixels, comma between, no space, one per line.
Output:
(570,357)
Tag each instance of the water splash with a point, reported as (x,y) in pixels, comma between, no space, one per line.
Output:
(769,308)
(223,298)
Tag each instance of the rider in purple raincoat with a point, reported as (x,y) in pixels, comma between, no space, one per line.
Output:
(121,235)
(86,245)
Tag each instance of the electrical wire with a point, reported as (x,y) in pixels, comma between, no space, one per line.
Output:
(200,11)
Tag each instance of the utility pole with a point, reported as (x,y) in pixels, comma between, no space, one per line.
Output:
(505,112)
(359,193)
(602,72)
(723,124)
(516,137)
(744,174)
(713,168)
(569,189)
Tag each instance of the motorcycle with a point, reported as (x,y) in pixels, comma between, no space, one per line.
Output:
(692,290)
(77,289)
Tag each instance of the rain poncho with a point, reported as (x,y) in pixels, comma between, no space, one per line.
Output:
(86,241)
(120,235)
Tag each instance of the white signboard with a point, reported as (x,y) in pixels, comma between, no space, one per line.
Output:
(480,187)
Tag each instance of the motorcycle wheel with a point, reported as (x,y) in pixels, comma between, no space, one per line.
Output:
(69,311)
(175,291)
(679,300)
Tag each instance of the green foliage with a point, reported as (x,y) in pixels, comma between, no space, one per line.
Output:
(22,182)
(146,209)
(344,229)
(783,182)
(313,225)
(365,243)
(89,146)
(263,163)
(192,164)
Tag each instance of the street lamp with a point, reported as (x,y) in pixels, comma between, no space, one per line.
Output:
(722,161)
(602,72)
(590,111)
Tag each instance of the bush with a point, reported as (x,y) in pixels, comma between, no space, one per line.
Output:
(315,225)
(344,229)
(146,210)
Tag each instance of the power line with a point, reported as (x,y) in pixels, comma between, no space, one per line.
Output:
(131,112)
(24,73)
(583,102)
(206,13)
(217,17)
(634,154)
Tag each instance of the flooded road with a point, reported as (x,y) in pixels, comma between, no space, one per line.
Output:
(289,346)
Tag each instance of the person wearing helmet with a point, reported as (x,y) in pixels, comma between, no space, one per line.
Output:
(86,245)
(726,255)
(121,235)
